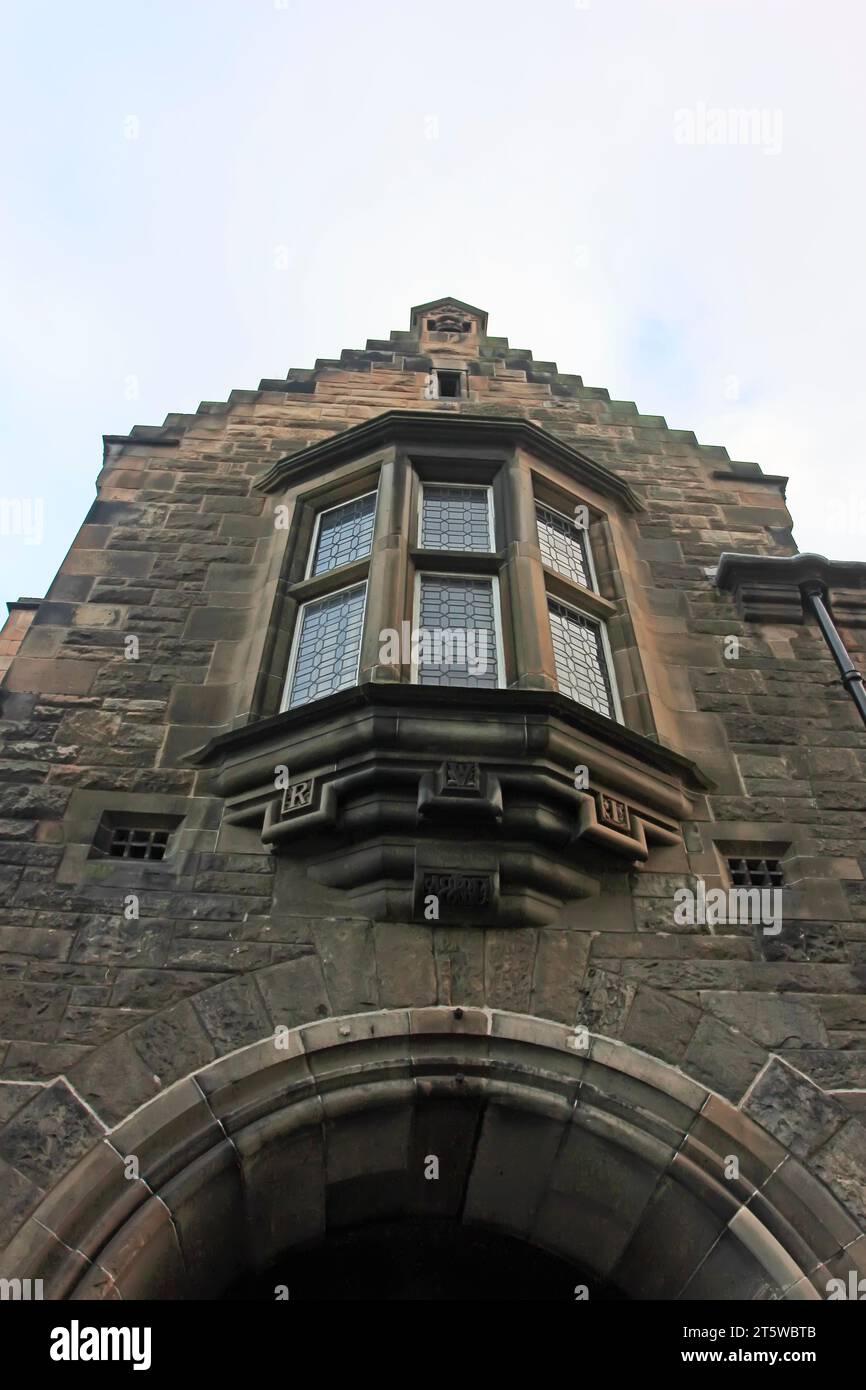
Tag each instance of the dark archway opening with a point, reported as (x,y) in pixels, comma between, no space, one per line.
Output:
(422,1258)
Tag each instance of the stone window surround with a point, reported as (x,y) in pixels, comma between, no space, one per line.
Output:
(811,893)
(398,473)
(197,830)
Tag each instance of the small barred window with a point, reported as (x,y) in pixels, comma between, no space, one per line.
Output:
(146,837)
(755,873)
(129,843)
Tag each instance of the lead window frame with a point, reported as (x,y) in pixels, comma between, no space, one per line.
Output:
(586,545)
(286,706)
(426,483)
(317,524)
(493,580)
(607,654)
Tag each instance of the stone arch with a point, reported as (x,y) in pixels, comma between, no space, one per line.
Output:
(579,1144)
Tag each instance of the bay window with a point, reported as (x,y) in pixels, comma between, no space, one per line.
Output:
(447,567)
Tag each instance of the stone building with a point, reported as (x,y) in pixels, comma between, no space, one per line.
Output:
(414,832)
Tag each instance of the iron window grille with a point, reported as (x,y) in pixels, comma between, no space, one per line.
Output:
(755,873)
(343,533)
(134,835)
(583,660)
(129,843)
(456,517)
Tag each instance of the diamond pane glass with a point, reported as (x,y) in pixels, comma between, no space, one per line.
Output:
(345,534)
(329,646)
(455,518)
(563,546)
(581,669)
(457,638)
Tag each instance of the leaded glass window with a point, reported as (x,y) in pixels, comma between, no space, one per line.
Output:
(563,546)
(345,533)
(456,633)
(456,518)
(581,661)
(328,646)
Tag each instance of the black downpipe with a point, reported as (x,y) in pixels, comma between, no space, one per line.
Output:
(813,602)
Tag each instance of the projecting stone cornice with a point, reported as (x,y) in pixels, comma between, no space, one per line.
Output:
(476,704)
(768,588)
(429,426)
(382,790)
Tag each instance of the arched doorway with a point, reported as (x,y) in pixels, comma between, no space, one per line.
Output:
(497,1126)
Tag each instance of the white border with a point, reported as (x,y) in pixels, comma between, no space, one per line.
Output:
(584,530)
(347,502)
(497,620)
(606,648)
(296,641)
(447,549)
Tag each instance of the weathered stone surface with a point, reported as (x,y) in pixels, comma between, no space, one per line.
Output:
(774,1020)
(173,1043)
(294,992)
(793,1109)
(660,1024)
(233,1014)
(560,969)
(841,1164)
(404,964)
(44,1138)
(722,1059)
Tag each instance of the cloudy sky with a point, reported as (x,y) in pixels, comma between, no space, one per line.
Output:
(665,196)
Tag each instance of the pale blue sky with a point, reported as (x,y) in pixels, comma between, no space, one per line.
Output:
(299,174)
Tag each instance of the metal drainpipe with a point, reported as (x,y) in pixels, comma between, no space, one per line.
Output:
(812,592)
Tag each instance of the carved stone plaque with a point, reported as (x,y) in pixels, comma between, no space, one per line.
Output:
(613,813)
(298,796)
(459,890)
(461,777)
